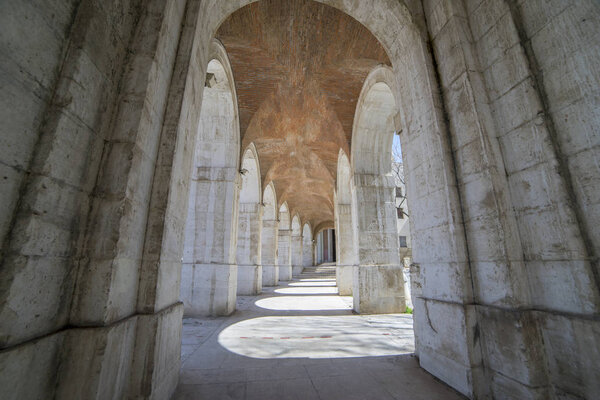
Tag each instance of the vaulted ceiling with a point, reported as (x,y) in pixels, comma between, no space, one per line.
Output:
(298,68)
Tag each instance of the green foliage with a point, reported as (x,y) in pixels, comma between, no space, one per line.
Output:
(408,310)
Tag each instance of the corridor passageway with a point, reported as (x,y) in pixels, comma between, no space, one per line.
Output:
(169,168)
(301,340)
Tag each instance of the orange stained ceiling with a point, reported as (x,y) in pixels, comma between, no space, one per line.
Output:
(298,68)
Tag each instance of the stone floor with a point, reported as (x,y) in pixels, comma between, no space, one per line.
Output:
(302,341)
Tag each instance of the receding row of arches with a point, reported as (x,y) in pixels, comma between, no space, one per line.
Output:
(240,237)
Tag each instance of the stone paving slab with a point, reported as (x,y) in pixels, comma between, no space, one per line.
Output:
(302,341)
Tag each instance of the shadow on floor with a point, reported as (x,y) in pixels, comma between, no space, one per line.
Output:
(302,341)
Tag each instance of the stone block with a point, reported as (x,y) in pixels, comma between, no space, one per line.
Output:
(506,388)
(10,183)
(344,276)
(445,281)
(563,286)
(97,362)
(168,284)
(249,280)
(65,150)
(157,360)
(487,276)
(441,330)
(37,298)
(29,371)
(22,112)
(511,340)
(213,290)
(572,347)
(270,275)
(378,289)
(35,35)
(106,291)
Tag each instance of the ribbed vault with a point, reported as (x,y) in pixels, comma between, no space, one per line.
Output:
(298,68)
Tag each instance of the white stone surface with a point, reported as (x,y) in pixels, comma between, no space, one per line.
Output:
(209,273)
(248,256)
(269,237)
(296,246)
(497,111)
(284,254)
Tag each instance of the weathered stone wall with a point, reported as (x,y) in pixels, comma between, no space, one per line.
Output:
(296,246)
(516,181)
(307,246)
(269,238)
(284,256)
(345,226)
(499,116)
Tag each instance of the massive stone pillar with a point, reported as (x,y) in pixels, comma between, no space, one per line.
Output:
(296,255)
(378,284)
(269,238)
(249,249)
(249,226)
(270,265)
(296,246)
(345,248)
(284,255)
(345,230)
(209,272)
(307,246)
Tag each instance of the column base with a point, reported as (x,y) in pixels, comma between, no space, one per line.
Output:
(249,280)
(344,277)
(285,272)
(296,270)
(270,275)
(208,289)
(378,289)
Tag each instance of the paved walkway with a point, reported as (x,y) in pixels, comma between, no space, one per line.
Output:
(302,341)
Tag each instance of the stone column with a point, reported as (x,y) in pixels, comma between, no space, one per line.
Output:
(346,249)
(378,281)
(296,255)
(209,272)
(249,249)
(270,269)
(284,255)
(307,252)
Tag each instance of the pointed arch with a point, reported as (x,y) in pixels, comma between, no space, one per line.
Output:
(215,169)
(376,120)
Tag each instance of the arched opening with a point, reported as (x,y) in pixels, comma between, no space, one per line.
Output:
(378,252)
(249,226)
(325,246)
(284,255)
(209,273)
(269,238)
(296,246)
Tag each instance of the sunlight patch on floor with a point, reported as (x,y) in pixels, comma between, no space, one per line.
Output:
(320,336)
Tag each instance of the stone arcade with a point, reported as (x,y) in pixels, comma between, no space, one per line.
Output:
(163,158)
